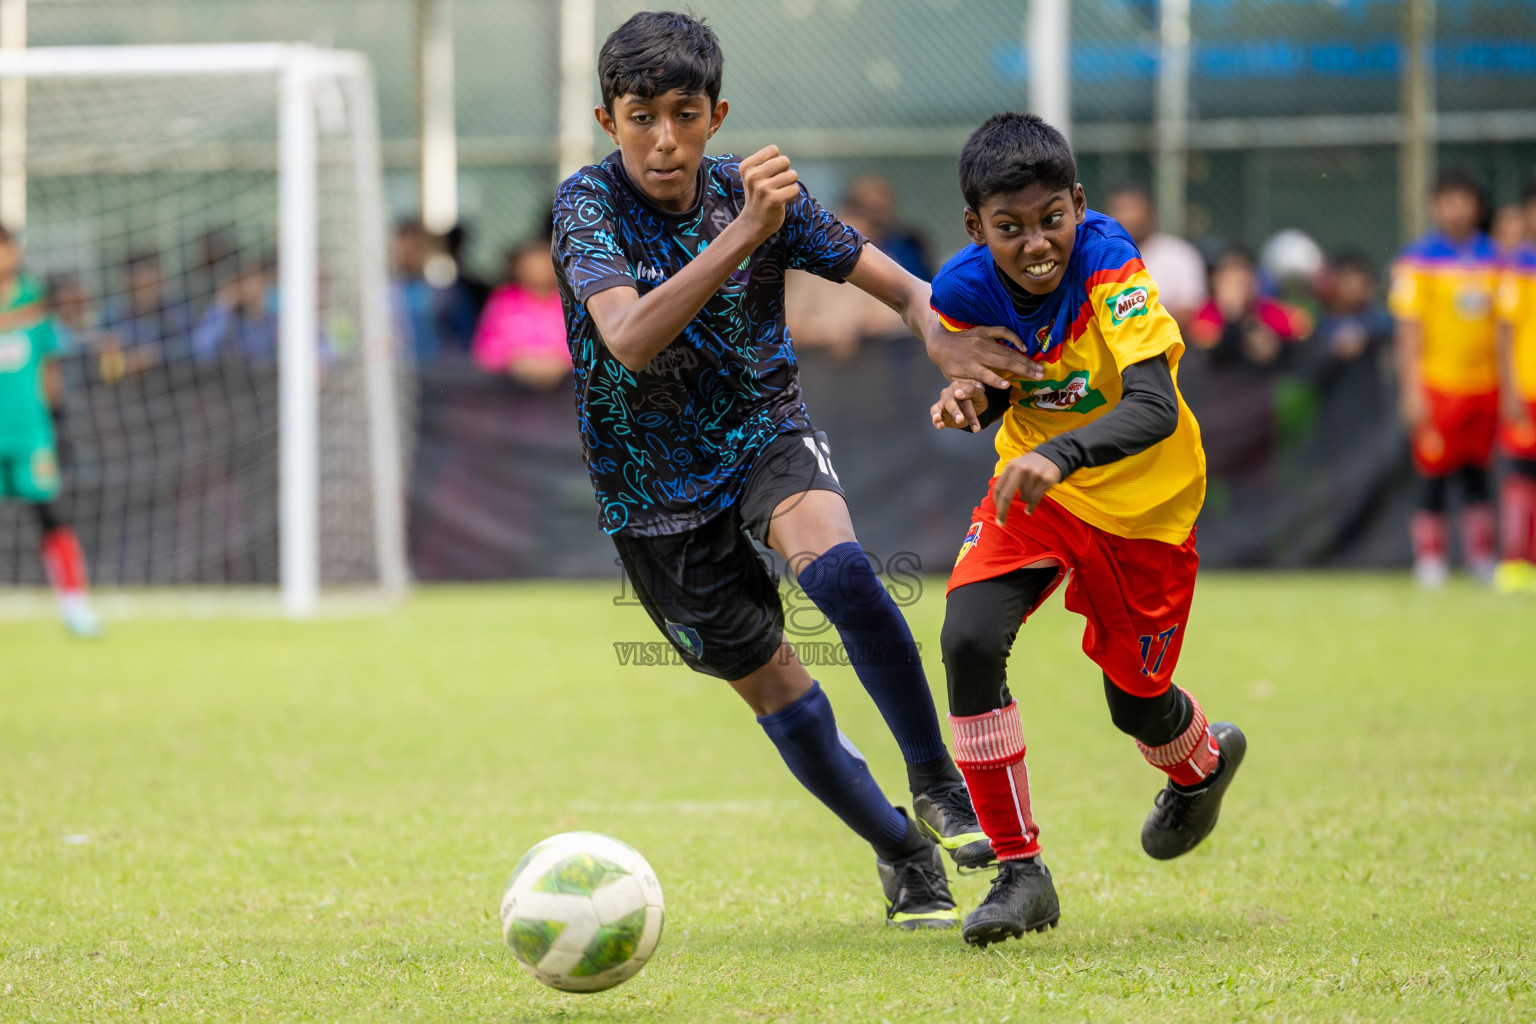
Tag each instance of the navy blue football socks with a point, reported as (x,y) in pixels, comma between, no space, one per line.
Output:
(828,765)
(843,584)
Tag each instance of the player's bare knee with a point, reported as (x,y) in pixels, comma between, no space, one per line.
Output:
(774,686)
(808,524)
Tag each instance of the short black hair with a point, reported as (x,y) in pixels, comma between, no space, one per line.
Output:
(1236,254)
(1459,179)
(655,52)
(1353,259)
(1013,151)
(1528,194)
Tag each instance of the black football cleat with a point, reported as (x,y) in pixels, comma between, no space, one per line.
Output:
(1181,818)
(945,815)
(916,891)
(1022,899)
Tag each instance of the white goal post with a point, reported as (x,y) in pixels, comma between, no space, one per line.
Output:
(326,122)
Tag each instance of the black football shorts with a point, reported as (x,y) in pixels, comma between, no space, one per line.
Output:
(707,589)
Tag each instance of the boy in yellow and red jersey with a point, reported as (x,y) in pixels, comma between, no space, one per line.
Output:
(1516,312)
(1448,373)
(1099,478)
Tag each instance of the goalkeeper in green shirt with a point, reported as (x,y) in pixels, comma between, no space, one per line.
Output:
(31,396)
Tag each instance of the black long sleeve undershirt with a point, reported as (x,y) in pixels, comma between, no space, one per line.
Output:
(1147,413)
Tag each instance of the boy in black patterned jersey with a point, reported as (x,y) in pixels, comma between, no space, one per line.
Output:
(671,267)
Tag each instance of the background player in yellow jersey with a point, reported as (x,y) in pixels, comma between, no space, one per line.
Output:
(1517,388)
(1100,476)
(1448,373)
(31,394)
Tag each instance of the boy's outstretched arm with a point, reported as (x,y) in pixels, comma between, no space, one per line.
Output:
(1511,409)
(973,353)
(635,327)
(1408,349)
(53,385)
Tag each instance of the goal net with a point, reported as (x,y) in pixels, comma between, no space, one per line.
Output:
(209,224)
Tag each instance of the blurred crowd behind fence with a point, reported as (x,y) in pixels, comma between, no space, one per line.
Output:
(1295,123)
(1294,103)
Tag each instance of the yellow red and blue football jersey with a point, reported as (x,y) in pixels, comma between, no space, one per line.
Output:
(1448,287)
(1516,306)
(1101,318)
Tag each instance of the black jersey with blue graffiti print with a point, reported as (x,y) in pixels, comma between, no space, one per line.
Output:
(669,447)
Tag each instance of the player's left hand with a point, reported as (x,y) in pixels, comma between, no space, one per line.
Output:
(990,355)
(959,406)
(1029,477)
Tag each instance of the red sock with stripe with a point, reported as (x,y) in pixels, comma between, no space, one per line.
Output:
(1477,537)
(1517,510)
(1427,530)
(1191,756)
(989,750)
(64,560)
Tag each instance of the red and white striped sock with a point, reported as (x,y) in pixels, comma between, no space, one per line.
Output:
(1477,537)
(989,750)
(1190,757)
(1517,510)
(1427,530)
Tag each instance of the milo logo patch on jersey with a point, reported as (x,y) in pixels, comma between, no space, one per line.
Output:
(1473,303)
(15,352)
(1071,395)
(1129,303)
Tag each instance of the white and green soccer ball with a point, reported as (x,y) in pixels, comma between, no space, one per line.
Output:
(582,912)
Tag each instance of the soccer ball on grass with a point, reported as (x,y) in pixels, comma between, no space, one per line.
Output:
(582,912)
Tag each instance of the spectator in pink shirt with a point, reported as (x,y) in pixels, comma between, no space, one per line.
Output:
(522,331)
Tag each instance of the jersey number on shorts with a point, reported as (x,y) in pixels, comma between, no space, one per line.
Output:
(823,455)
(1164,638)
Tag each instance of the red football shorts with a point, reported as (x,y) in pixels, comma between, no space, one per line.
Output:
(1135,594)
(1458,431)
(1520,438)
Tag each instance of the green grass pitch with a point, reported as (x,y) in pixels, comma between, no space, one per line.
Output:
(258,820)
